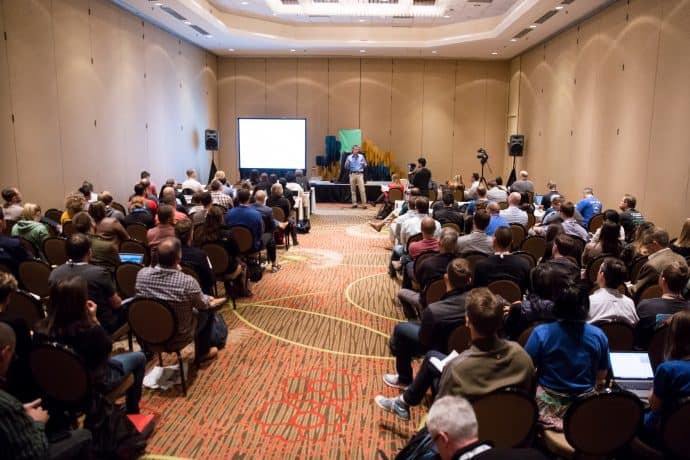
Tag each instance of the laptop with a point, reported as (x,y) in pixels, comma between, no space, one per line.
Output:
(537,199)
(632,371)
(131,257)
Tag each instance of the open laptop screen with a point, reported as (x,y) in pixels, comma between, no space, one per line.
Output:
(131,257)
(631,366)
(538,198)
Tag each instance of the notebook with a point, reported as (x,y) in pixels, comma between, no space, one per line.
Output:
(632,371)
(131,257)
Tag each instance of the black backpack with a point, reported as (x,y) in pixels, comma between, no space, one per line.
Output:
(419,447)
(114,435)
(303,226)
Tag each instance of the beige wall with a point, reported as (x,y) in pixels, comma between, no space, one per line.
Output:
(444,110)
(607,104)
(97,94)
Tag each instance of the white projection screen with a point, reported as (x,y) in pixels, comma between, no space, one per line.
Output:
(272,143)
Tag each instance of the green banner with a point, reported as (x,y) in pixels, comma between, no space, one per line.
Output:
(348,138)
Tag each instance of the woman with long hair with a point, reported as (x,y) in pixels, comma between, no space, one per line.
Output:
(672,377)
(609,243)
(682,244)
(72,321)
(571,356)
(108,228)
(74,203)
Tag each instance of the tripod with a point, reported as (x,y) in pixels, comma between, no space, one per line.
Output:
(482,178)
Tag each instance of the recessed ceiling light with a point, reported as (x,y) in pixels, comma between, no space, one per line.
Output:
(244,3)
(447,16)
(434,51)
(495,53)
(559,7)
(533,26)
(362,20)
(362,51)
(513,39)
(231,49)
(159,4)
(293,50)
(189,23)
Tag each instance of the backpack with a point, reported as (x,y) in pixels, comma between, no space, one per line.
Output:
(114,435)
(303,226)
(254,270)
(385,210)
(419,447)
(219,331)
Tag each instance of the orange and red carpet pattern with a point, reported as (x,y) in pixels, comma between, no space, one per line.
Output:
(304,359)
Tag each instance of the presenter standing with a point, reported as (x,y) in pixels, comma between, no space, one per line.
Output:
(355,164)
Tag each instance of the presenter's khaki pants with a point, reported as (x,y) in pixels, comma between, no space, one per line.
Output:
(357,182)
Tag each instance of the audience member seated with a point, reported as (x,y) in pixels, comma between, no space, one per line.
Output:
(198,214)
(191,183)
(214,231)
(180,200)
(630,217)
(103,252)
(146,176)
(107,199)
(247,216)
(570,225)
(496,220)
(608,243)
(11,251)
(429,242)
(164,229)
(551,191)
(495,193)
(571,356)
(269,227)
(22,426)
(277,200)
(660,256)
(489,364)
(225,187)
(502,265)
(636,249)
(550,234)
(671,378)
(672,280)
(167,283)
(471,193)
(264,183)
(588,206)
(168,197)
(13,204)
(448,213)
(72,320)
(107,228)
(606,304)
(74,204)
(304,182)
(151,205)
(682,244)
(193,257)
(611,216)
(86,190)
(523,184)
(101,289)
(428,270)
(138,213)
(410,226)
(29,226)
(439,319)
(477,240)
(479,203)
(18,379)
(513,214)
(383,197)
(453,428)
(551,215)
(218,196)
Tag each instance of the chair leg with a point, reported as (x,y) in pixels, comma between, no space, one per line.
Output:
(160,359)
(129,341)
(182,378)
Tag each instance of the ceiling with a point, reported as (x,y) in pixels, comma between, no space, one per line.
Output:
(469,29)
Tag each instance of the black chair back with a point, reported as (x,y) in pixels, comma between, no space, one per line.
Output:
(602,423)
(60,375)
(635,268)
(33,276)
(507,289)
(68,229)
(656,346)
(529,258)
(650,292)
(518,233)
(472,258)
(278,214)
(535,245)
(220,260)
(620,335)
(126,277)
(596,221)
(53,214)
(396,194)
(412,239)
(435,291)
(25,306)
(243,237)
(119,207)
(136,247)
(137,231)
(459,340)
(674,429)
(152,321)
(506,417)
(55,251)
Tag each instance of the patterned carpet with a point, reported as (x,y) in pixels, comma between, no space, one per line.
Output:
(304,360)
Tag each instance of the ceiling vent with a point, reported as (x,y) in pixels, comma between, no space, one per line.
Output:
(383,2)
(289,2)
(423,2)
(522,33)
(325,1)
(319,18)
(200,30)
(546,17)
(173,13)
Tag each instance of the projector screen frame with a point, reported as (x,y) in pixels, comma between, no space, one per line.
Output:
(244,172)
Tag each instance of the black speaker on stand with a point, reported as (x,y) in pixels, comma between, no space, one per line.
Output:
(212,141)
(516,146)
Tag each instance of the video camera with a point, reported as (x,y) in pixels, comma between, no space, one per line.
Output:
(482,156)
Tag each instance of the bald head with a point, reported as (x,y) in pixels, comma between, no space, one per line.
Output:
(493,208)
(514,199)
(428,227)
(260,196)
(169,252)
(523,175)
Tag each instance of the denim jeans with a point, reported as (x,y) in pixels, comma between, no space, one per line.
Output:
(405,345)
(202,337)
(426,378)
(132,363)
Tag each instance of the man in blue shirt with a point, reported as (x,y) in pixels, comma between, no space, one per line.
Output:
(246,216)
(355,164)
(496,220)
(588,206)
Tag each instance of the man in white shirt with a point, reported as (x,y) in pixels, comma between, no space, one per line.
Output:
(496,194)
(606,304)
(513,214)
(191,182)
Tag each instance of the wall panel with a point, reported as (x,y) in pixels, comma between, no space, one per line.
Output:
(312,104)
(227,118)
(8,171)
(250,91)
(406,107)
(496,101)
(281,87)
(437,115)
(343,94)
(375,110)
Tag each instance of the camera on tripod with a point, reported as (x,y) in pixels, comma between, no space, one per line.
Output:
(482,156)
